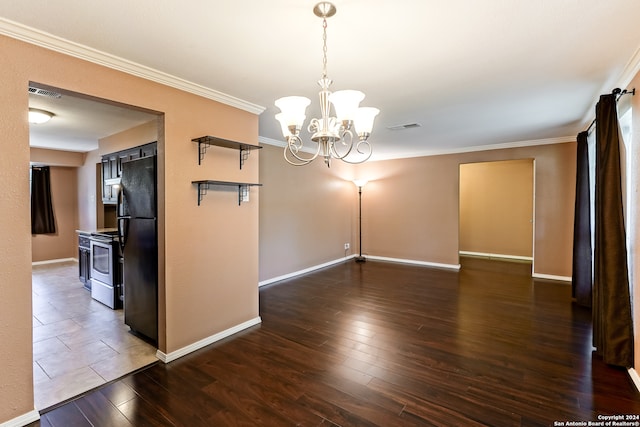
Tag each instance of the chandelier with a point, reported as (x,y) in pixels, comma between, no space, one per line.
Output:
(332,134)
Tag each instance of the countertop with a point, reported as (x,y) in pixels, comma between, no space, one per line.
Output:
(99,230)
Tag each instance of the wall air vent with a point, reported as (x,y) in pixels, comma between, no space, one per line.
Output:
(44,92)
(404,126)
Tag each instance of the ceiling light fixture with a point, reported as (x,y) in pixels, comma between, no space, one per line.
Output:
(39,116)
(332,134)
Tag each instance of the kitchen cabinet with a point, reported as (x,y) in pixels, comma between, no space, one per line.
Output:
(149,150)
(112,169)
(109,172)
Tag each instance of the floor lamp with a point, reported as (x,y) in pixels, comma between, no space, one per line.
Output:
(360,183)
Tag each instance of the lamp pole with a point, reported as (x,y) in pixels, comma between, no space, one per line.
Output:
(360,183)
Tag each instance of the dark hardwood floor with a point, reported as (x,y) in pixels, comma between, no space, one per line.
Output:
(382,344)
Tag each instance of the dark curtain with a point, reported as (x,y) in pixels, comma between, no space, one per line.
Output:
(42,219)
(582,261)
(612,325)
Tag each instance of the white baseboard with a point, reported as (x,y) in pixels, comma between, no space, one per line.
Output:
(167,358)
(53,261)
(301,272)
(634,377)
(502,256)
(551,277)
(372,257)
(22,420)
(519,258)
(414,262)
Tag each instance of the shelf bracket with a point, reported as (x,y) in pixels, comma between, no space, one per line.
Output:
(202,149)
(243,190)
(204,142)
(203,187)
(244,155)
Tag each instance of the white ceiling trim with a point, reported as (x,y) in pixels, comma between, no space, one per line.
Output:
(628,74)
(427,153)
(518,144)
(282,144)
(271,141)
(49,41)
(630,70)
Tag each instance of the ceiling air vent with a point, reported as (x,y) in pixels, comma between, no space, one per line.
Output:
(44,92)
(404,126)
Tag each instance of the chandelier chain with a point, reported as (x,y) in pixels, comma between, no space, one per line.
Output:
(324,48)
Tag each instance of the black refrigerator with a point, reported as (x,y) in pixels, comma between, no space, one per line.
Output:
(138,233)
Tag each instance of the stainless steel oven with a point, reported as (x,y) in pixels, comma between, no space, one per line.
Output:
(104,260)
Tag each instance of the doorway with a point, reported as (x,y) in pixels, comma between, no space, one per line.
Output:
(497,209)
(79,343)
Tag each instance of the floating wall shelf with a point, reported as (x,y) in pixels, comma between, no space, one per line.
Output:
(243,188)
(205,142)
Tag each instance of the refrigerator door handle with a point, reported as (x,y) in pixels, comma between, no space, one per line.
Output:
(123,231)
(120,202)
(122,221)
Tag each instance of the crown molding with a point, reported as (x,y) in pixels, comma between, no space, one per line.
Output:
(282,144)
(49,41)
(271,141)
(461,150)
(630,70)
(628,73)
(428,153)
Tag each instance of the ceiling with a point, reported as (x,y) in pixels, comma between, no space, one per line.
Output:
(79,122)
(472,74)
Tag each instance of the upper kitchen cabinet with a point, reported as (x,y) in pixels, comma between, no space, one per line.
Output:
(112,169)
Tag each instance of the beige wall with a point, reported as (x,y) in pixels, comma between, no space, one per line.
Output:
(56,157)
(306,213)
(208,254)
(410,209)
(64,183)
(496,207)
(63,243)
(410,206)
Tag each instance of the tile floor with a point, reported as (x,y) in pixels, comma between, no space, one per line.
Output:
(78,343)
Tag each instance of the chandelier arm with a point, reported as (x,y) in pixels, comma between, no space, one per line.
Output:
(367,144)
(294,144)
(314,126)
(356,162)
(344,136)
(358,148)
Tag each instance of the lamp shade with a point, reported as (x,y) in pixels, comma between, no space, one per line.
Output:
(346,103)
(283,124)
(364,118)
(360,182)
(293,110)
